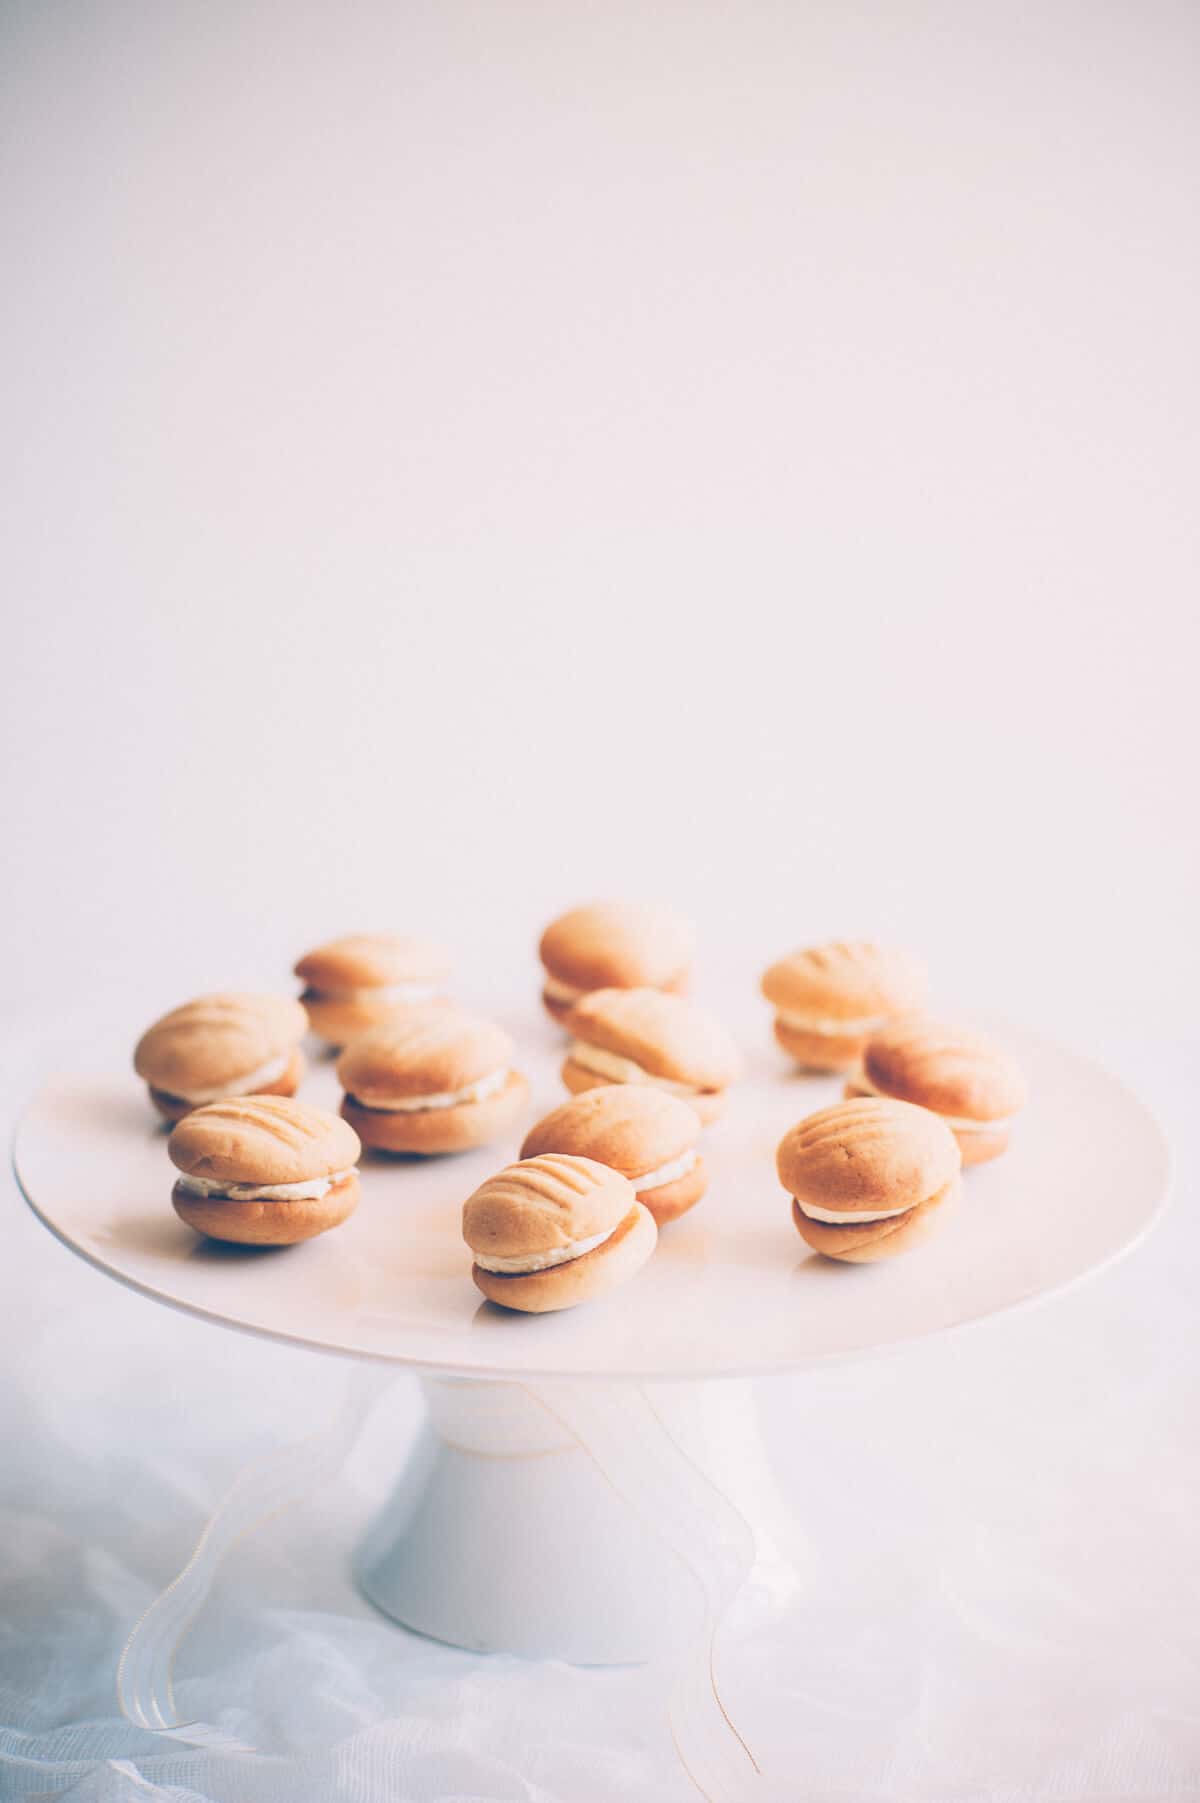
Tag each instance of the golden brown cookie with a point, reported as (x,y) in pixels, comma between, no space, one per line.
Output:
(829,999)
(219,1046)
(435,1081)
(614,945)
(554,1231)
(646,1036)
(646,1134)
(263,1170)
(972,1083)
(868,1178)
(368,980)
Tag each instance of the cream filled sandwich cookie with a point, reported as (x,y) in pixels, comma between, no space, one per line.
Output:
(613,945)
(976,1088)
(829,999)
(868,1178)
(644,1036)
(553,1231)
(436,1081)
(646,1134)
(368,980)
(220,1046)
(263,1171)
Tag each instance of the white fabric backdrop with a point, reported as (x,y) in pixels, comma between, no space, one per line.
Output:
(1004,1600)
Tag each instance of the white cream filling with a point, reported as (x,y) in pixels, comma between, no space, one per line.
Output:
(622,1070)
(479,1091)
(541,1261)
(826,1028)
(239,1086)
(667,1173)
(560,992)
(956,1122)
(309,1191)
(379,992)
(848,1218)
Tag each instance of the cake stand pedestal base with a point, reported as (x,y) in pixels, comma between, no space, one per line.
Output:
(579,1521)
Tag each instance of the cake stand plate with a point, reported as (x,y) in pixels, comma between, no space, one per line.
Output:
(523,1448)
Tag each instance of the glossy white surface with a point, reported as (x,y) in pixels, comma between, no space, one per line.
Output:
(731,1289)
(575,1522)
(504,1536)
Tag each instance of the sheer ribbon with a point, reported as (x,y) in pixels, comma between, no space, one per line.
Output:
(621,1427)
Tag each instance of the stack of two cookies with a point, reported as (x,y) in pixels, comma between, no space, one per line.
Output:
(221,1046)
(421,1076)
(263,1170)
(366,981)
(255,1166)
(644,1037)
(613,945)
(873,1175)
(272,1171)
(554,1231)
(599,1175)
(436,1080)
(580,1212)
(967,1081)
(267,1170)
(868,1178)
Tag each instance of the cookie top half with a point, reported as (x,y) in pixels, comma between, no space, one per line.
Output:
(216,1039)
(845,979)
(952,1070)
(868,1154)
(629,1126)
(624,945)
(664,1034)
(544,1204)
(262,1139)
(432,1051)
(374,961)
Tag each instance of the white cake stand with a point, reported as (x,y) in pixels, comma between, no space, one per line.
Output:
(566,1458)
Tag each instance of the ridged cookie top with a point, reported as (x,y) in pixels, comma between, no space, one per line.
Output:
(947,1068)
(373,960)
(867,1154)
(667,1036)
(545,1203)
(262,1139)
(632,1128)
(622,944)
(431,1051)
(846,979)
(216,1039)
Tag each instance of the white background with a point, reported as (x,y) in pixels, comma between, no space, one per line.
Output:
(460,459)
